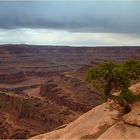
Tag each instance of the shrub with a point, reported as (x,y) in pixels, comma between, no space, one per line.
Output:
(108,76)
(129,97)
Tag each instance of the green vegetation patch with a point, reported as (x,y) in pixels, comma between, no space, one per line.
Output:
(109,76)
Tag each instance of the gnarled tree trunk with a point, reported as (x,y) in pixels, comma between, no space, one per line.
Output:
(121,102)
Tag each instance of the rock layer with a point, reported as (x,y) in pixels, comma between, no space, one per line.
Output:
(23,116)
(51,92)
(99,123)
(12,78)
(37,59)
(90,125)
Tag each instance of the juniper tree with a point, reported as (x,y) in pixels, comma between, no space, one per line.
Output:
(109,76)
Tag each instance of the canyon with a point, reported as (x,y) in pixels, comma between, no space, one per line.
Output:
(43,88)
(105,121)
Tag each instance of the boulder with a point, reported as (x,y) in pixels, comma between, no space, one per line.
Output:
(133,117)
(135,89)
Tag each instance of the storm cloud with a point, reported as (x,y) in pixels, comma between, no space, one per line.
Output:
(72,16)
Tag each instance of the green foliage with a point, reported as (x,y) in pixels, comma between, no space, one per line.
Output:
(103,99)
(109,75)
(120,77)
(129,97)
(133,67)
(99,76)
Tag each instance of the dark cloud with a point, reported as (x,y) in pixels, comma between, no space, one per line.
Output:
(87,16)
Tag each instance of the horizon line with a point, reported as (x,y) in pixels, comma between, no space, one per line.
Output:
(63,45)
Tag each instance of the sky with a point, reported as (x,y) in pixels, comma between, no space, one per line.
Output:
(70,22)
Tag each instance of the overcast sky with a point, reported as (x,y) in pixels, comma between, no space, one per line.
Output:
(80,22)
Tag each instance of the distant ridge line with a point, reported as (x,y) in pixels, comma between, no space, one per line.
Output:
(62,46)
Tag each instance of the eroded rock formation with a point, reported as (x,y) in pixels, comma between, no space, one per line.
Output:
(23,117)
(51,92)
(101,122)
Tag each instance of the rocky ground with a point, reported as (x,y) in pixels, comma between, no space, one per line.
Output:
(101,122)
